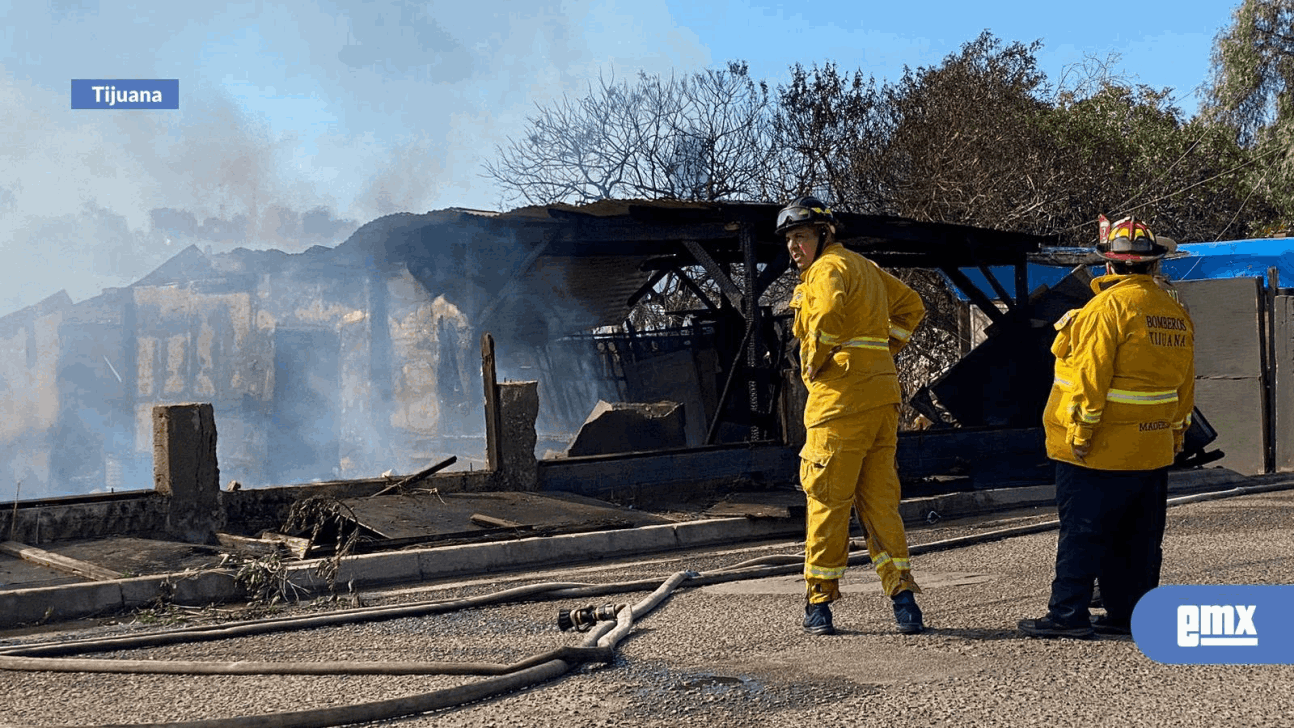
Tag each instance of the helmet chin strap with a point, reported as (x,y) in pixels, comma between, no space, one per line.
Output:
(822,240)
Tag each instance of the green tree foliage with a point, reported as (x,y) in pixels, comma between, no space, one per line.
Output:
(1126,150)
(967,144)
(1251,93)
(1253,68)
(982,138)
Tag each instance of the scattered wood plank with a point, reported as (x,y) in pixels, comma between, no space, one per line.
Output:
(417,476)
(479,535)
(481,519)
(243,543)
(749,510)
(83,569)
(298,546)
(267,544)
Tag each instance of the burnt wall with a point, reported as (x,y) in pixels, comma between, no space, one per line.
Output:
(208,341)
(29,394)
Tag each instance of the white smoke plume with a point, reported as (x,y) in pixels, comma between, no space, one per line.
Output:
(297,122)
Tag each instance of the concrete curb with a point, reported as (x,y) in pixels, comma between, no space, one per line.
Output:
(77,601)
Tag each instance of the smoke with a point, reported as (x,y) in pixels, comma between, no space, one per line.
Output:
(279,226)
(410,177)
(296,124)
(93,201)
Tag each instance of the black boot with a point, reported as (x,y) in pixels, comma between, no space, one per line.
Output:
(817,619)
(906,613)
(1105,624)
(1046,628)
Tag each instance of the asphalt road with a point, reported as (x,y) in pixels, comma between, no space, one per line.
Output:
(734,654)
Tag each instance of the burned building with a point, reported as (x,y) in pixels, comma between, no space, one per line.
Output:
(347,362)
(281,345)
(326,364)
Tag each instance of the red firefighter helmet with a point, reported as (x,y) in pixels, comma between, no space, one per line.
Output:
(1130,241)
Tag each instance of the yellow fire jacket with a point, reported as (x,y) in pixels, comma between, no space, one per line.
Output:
(851,318)
(1125,377)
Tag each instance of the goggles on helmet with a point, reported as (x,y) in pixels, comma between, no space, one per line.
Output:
(793,215)
(804,211)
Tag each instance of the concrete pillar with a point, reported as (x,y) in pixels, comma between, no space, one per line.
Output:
(185,470)
(519,405)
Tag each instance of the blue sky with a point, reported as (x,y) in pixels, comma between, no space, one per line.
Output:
(300,121)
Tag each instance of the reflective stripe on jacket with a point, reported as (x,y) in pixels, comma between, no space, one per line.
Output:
(851,317)
(1124,378)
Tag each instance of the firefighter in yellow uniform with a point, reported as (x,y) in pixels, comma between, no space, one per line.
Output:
(851,318)
(1118,412)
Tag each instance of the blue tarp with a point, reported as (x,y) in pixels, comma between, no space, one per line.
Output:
(1234,259)
(1227,259)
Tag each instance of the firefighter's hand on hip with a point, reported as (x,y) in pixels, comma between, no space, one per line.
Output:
(811,372)
(1081,451)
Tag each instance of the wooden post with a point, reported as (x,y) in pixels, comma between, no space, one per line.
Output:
(493,421)
(753,343)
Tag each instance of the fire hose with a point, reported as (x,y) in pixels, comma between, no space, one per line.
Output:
(606,625)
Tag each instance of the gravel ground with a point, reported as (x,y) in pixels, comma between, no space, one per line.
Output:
(724,659)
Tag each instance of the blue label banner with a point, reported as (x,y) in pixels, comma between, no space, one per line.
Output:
(1216,624)
(126,93)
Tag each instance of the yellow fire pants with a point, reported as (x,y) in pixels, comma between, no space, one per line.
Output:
(850,461)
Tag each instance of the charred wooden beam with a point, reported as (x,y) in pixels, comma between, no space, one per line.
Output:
(481,519)
(774,270)
(973,293)
(418,476)
(647,287)
(730,289)
(513,285)
(493,414)
(998,288)
(269,544)
(696,290)
(753,353)
(1022,286)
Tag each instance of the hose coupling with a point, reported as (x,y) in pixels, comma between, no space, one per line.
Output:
(582,620)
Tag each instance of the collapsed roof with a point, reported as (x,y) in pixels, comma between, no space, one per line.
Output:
(586,266)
